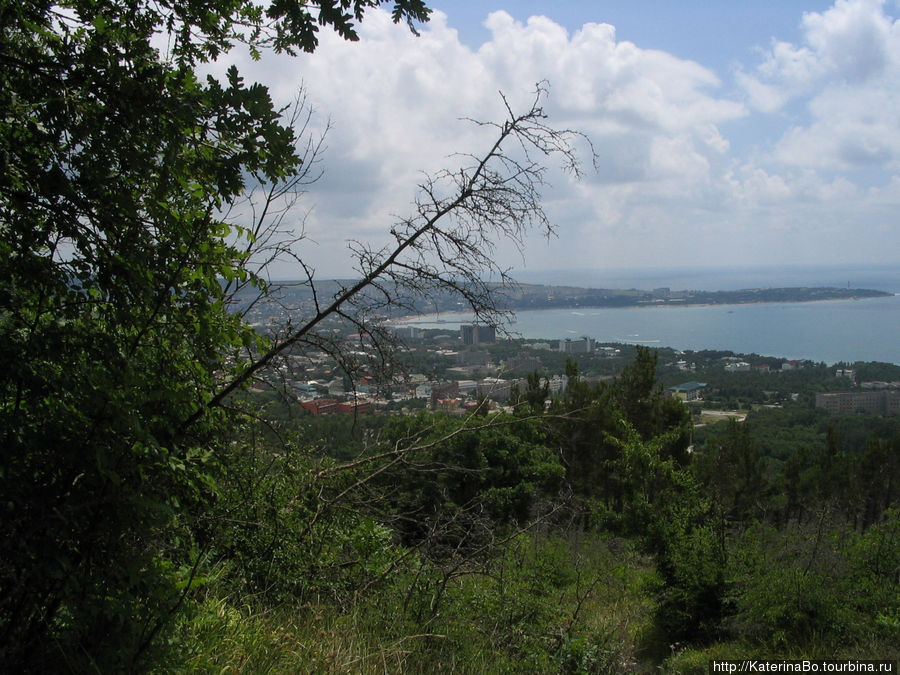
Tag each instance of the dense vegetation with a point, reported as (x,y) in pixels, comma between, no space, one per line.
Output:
(576,534)
(158,516)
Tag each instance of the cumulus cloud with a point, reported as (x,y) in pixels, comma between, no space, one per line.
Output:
(851,44)
(846,74)
(668,181)
(851,127)
(396,101)
(851,39)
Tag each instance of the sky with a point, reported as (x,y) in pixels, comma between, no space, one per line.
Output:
(739,133)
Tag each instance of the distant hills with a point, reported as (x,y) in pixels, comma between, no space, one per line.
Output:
(550,297)
(296,297)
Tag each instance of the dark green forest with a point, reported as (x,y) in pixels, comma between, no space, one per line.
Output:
(594,532)
(160,515)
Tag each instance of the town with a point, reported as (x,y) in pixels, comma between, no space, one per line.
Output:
(456,371)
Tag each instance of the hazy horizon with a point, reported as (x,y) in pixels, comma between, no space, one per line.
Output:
(882,277)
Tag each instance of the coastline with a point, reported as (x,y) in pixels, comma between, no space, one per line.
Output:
(845,331)
(412,319)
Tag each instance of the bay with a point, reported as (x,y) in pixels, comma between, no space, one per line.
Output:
(830,331)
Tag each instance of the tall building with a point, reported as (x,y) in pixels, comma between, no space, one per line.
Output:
(477,334)
(494,388)
(880,402)
(583,346)
(408,332)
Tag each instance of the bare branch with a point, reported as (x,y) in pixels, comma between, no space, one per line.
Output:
(449,243)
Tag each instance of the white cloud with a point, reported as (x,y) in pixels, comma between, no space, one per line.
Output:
(840,89)
(847,73)
(765,97)
(851,127)
(851,44)
(669,185)
(395,102)
(851,39)
(887,195)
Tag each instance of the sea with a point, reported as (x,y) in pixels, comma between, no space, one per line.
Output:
(827,331)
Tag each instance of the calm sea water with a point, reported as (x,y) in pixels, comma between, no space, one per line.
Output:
(832,331)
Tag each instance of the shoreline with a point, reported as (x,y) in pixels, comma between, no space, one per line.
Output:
(846,331)
(423,318)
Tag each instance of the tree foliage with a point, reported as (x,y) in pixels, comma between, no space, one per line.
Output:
(119,267)
(116,166)
(132,474)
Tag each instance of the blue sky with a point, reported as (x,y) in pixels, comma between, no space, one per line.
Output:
(729,133)
(713,33)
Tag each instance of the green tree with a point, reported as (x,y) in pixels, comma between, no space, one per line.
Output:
(637,389)
(639,395)
(117,272)
(878,478)
(537,391)
(666,508)
(731,469)
(583,422)
(114,286)
(457,481)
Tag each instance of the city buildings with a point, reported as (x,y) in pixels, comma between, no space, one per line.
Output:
(476,334)
(688,391)
(583,346)
(872,402)
(408,332)
(522,362)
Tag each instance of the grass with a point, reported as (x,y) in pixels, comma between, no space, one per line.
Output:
(548,606)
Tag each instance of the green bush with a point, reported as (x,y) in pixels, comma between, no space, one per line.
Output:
(820,584)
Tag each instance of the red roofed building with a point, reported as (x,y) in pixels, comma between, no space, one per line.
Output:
(351,407)
(320,406)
